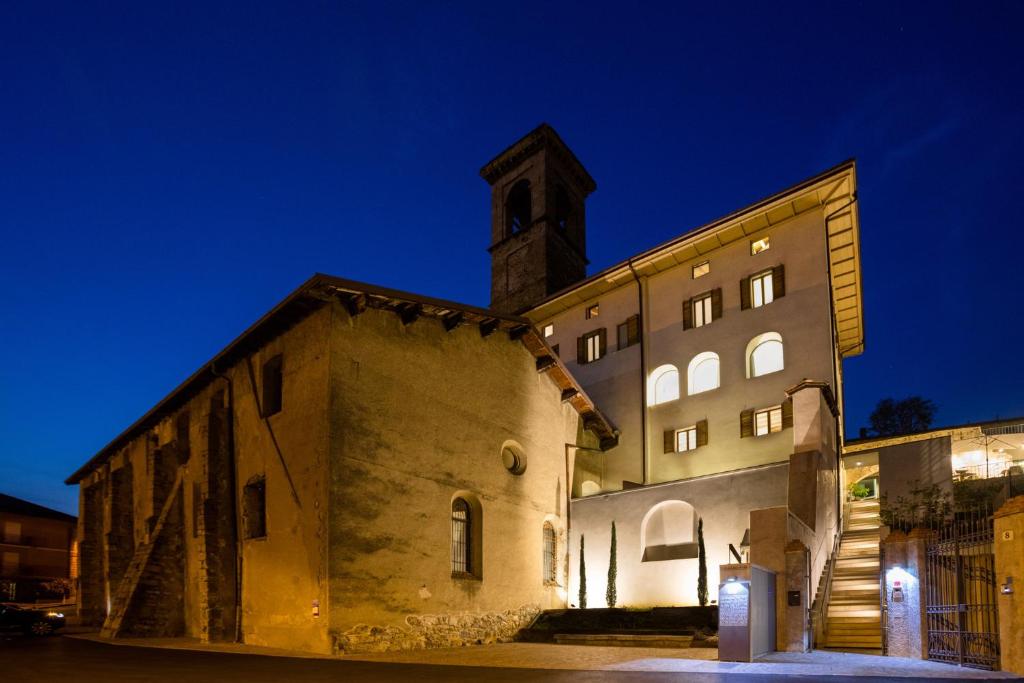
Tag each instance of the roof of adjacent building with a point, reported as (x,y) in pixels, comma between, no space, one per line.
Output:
(17,506)
(833,191)
(320,290)
(1014,425)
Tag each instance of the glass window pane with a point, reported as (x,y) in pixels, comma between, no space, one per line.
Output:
(707,308)
(761,423)
(768,288)
(666,387)
(756,286)
(766,358)
(705,375)
(698,314)
(776,419)
(692,436)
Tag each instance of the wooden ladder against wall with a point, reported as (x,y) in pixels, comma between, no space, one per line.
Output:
(127,587)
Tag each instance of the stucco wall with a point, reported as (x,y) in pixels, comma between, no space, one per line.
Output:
(801,317)
(723,501)
(418,416)
(926,462)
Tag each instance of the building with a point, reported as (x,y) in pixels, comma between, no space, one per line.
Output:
(362,469)
(368,469)
(37,546)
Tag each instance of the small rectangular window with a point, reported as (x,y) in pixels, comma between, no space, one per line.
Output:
(761,289)
(759,245)
(254,508)
(701,269)
(686,439)
(593,311)
(592,341)
(272,386)
(549,330)
(702,310)
(768,421)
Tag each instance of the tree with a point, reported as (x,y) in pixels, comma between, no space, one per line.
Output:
(702,565)
(60,585)
(609,596)
(891,417)
(583,577)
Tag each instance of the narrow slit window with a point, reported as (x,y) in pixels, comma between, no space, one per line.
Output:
(550,555)
(461,550)
(759,245)
(273,384)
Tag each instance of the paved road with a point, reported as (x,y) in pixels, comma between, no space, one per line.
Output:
(28,660)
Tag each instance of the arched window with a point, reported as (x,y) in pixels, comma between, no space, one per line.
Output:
(764,354)
(563,208)
(519,207)
(669,532)
(462,537)
(663,385)
(702,374)
(550,554)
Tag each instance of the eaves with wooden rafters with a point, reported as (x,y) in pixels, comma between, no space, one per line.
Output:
(832,192)
(356,297)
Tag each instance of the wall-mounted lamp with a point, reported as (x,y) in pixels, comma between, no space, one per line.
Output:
(1007,588)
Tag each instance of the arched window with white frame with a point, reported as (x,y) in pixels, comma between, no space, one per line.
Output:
(663,385)
(703,373)
(764,354)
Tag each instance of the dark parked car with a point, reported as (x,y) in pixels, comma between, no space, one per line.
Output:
(33,622)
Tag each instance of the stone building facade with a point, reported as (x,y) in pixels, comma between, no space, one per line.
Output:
(299,490)
(366,469)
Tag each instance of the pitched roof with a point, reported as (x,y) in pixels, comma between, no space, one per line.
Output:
(357,296)
(17,506)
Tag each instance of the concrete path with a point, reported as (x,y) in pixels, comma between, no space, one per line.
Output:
(818,664)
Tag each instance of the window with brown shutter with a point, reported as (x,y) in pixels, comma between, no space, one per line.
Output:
(744,293)
(787,413)
(747,423)
(716,303)
(779,281)
(688,314)
(628,333)
(702,433)
(591,347)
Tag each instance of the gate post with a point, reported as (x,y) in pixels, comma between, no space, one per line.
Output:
(796,629)
(917,590)
(1009,565)
(902,598)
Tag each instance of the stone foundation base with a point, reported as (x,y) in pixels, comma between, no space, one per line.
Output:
(436,630)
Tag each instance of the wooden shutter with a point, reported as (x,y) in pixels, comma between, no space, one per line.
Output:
(688,314)
(787,413)
(581,351)
(716,303)
(744,293)
(633,329)
(747,423)
(603,338)
(702,433)
(779,281)
(670,441)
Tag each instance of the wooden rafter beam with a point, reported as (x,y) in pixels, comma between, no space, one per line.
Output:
(408,313)
(488,326)
(452,321)
(353,303)
(518,332)
(545,363)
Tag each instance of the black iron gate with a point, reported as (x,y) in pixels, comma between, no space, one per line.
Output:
(961,592)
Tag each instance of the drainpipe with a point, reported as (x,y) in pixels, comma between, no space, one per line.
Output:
(234,499)
(644,447)
(834,330)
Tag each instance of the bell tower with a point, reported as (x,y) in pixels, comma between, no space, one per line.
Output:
(538,226)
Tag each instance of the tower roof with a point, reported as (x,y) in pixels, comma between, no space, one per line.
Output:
(543,137)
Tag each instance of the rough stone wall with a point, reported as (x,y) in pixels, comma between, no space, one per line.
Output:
(157,608)
(436,630)
(217,528)
(92,594)
(121,534)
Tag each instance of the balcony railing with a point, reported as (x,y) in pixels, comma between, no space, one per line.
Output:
(989,470)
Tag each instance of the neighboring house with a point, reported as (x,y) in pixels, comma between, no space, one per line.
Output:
(371,469)
(36,548)
(989,454)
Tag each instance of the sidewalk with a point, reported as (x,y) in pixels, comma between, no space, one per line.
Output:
(819,664)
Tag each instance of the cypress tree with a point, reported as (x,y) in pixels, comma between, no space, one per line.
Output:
(609,595)
(702,565)
(583,577)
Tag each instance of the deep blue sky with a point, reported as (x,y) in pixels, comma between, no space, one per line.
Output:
(169,172)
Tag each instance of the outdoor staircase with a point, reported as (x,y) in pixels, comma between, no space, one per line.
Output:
(854,620)
(129,583)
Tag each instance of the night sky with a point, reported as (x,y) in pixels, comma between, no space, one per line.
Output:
(169,172)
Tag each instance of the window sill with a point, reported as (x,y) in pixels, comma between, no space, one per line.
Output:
(465,576)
